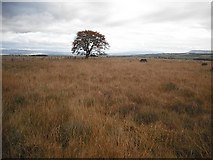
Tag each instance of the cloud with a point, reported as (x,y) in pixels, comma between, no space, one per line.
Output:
(128,25)
(197,12)
(39,17)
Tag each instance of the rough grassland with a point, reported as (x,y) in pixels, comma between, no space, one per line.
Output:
(109,107)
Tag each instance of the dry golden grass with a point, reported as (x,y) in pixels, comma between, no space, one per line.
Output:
(107,107)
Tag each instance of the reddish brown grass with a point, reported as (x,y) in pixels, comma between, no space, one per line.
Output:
(110,107)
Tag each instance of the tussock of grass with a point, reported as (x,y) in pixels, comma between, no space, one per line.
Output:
(192,109)
(105,108)
(187,93)
(128,109)
(145,117)
(74,130)
(169,86)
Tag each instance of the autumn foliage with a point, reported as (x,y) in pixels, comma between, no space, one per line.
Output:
(88,42)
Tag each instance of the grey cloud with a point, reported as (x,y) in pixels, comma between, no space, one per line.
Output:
(23,17)
(51,24)
(175,12)
(95,12)
(26,17)
(13,9)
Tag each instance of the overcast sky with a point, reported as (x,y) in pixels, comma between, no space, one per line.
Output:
(131,25)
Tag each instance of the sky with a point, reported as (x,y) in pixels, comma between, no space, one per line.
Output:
(128,25)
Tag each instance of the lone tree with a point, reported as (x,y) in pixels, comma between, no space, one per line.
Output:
(87,42)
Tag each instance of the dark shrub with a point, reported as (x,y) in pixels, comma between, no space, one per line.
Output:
(186,93)
(12,140)
(125,110)
(190,108)
(145,117)
(11,106)
(34,151)
(19,100)
(169,86)
(135,98)
(87,101)
(188,123)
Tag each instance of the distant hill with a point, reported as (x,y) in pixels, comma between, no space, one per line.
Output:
(200,52)
(191,55)
(34,52)
(134,53)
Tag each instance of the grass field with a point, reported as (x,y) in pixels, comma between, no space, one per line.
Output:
(106,107)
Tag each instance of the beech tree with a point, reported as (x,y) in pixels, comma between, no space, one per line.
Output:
(89,42)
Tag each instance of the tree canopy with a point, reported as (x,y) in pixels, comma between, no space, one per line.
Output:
(89,42)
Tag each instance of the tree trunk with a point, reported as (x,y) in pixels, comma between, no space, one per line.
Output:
(88,51)
(87,54)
